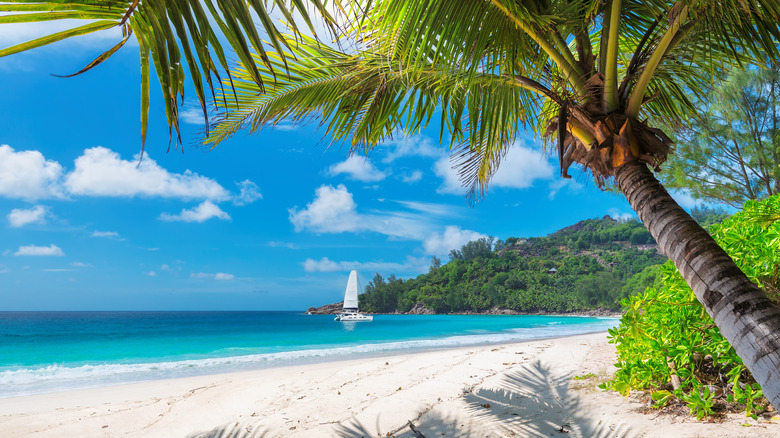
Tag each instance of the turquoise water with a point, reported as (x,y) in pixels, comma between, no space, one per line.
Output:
(54,351)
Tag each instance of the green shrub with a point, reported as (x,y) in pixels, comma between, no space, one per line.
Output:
(666,332)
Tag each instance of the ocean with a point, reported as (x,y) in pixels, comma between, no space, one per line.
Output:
(43,352)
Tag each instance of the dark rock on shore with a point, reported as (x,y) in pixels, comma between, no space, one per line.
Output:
(420,309)
(328,309)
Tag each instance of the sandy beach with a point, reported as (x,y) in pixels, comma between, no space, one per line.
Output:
(523,389)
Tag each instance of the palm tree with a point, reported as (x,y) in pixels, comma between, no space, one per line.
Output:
(592,76)
(166,28)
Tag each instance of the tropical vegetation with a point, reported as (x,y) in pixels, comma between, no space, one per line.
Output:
(591,265)
(731,151)
(669,346)
(595,78)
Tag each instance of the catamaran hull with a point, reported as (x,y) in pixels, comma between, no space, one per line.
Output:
(353,317)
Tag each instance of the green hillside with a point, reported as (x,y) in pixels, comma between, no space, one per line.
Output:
(590,265)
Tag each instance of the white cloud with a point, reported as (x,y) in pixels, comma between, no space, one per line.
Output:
(218,276)
(32,250)
(334,211)
(248,193)
(619,215)
(453,238)
(102,172)
(193,116)
(20,217)
(80,264)
(411,264)
(4,270)
(415,146)
(357,168)
(28,175)
(519,169)
(151,274)
(203,212)
(106,234)
(412,177)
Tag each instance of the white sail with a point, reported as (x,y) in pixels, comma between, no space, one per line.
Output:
(351,294)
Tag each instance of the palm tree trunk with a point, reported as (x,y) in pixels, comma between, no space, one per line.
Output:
(742,312)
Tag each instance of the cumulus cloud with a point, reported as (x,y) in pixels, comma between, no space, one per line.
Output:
(218,276)
(411,264)
(28,175)
(203,212)
(33,250)
(619,215)
(333,210)
(100,171)
(452,238)
(519,169)
(415,146)
(105,234)
(357,168)
(248,193)
(20,217)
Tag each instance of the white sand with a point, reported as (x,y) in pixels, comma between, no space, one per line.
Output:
(523,389)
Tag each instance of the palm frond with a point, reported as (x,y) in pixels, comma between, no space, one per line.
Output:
(366,98)
(174,33)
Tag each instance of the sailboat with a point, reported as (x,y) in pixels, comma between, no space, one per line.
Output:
(349,310)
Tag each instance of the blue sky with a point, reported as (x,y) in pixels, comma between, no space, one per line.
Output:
(268,221)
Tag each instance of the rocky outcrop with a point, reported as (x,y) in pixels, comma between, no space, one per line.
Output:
(328,309)
(420,309)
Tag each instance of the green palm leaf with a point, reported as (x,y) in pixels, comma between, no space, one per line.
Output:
(173,33)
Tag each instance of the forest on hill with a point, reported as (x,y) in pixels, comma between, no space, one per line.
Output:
(592,264)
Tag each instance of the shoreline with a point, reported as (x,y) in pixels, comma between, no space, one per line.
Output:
(313,360)
(419,309)
(520,389)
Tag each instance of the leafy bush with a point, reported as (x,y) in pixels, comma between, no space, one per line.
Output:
(665,334)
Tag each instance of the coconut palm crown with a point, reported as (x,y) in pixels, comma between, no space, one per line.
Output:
(594,78)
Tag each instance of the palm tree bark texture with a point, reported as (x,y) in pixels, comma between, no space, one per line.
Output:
(742,311)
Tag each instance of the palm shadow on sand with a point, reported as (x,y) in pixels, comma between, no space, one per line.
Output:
(235,430)
(530,401)
(535,401)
